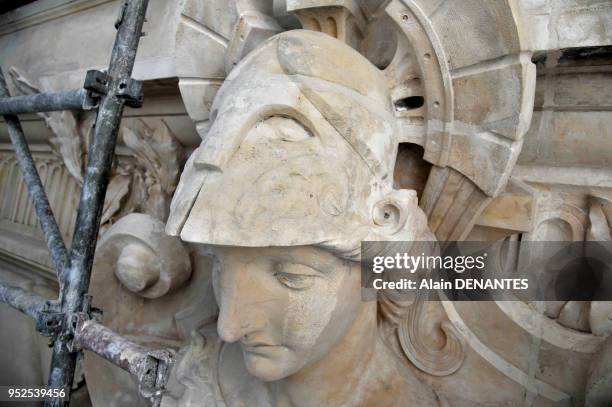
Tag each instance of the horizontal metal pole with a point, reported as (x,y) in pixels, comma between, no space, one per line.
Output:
(48,224)
(150,367)
(44,102)
(22,300)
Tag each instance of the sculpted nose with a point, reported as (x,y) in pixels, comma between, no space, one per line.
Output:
(235,319)
(231,326)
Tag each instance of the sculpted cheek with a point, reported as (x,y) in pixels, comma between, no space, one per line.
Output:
(346,302)
(308,314)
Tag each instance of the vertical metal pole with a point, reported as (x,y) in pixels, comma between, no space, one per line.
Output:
(99,163)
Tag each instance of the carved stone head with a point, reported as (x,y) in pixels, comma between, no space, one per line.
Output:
(295,172)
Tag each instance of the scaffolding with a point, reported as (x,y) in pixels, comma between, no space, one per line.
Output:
(69,320)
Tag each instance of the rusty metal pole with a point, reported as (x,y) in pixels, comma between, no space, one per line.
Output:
(99,163)
(55,242)
(150,368)
(68,320)
(43,102)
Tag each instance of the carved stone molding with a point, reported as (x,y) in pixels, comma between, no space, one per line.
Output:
(70,133)
(143,179)
(144,259)
(15,203)
(42,12)
(342,19)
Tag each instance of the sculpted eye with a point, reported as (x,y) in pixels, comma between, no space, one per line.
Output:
(295,281)
(295,276)
(285,129)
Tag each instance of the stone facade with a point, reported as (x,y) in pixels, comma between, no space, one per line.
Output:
(499,115)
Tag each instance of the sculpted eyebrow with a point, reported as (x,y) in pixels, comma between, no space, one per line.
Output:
(322,269)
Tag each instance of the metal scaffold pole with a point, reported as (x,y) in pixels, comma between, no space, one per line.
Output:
(68,320)
(100,158)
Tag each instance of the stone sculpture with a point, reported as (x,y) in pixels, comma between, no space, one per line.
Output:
(296,171)
(452,82)
(298,157)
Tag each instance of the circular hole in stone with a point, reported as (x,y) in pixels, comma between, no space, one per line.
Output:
(386,214)
(409,103)
(427,56)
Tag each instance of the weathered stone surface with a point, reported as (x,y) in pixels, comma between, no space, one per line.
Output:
(251,30)
(479,100)
(565,23)
(290,185)
(342,19)
(299,146)
(198,95)
(145,260)
(513,210)
(489,26)
(200,51)
(599,386)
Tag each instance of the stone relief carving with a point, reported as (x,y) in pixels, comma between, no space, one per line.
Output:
(146,261)
(142,184)
(157,166)
(472,141)
(442,63)
(292,179)
(15,206)
(414,43)
(457,131)
(69,134)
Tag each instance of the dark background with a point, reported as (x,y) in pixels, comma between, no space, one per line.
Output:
(7,5)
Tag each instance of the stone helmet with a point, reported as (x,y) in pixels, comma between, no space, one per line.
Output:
(301,151)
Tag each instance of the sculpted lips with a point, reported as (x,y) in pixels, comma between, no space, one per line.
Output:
(258,347)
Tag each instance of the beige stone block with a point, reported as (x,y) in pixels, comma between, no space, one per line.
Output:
(217,16)
(198,95)
(480,100)
(252,29)
(485,158)
(199,51)
(514,209)
(486,30)
(569,138)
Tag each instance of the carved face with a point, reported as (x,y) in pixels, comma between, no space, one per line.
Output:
(287,306)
